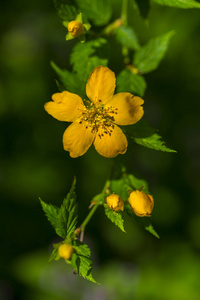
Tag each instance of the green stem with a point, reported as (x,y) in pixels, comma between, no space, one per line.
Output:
(124,12)
(89,216)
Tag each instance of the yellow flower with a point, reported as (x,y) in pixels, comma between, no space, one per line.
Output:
(96,122)
(115,202)
(65,251)
(75,28)
(141,203)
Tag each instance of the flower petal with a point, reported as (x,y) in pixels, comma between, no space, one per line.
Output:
(129,109)
(100,86)
(77,139)
(65,106)
(111,145)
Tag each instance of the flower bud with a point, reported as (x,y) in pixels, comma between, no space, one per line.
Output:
(65,251)
(115,202)
(75,28)
(141,203)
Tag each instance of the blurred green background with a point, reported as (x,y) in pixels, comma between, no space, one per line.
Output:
(33,163)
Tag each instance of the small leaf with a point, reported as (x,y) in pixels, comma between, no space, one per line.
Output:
(153,142)
(127,37)
(81,261)
(179,3)
(54,255)
(127,81)
(114,217)
(136,183)
(66,10)
(85,57)
(68,79)
(148,57)
(52,213)
(99,12)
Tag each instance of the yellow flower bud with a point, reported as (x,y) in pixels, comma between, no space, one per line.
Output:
(141,203)
(75,28)
(65,251)
(115,202)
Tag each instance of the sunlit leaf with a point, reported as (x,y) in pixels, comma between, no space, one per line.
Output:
(179,3)
(115,217)
(127,37)
(148,57)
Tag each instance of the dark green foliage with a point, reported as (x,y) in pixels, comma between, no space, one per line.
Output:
(66,9)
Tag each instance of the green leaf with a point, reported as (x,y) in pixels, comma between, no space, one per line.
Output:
(153,142)
(99,12)
(127,81)
(144,222)
(85,57)
(54,255)
(68,213)
(114,217)
(144,7)
(63,219)
(52,213)
(179,3)
(81,261)
(127,37)
(66,9)
(69,80)
(136,183)
(145,135)
(148,57)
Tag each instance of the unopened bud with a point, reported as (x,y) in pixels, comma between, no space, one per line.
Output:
(141,203)
(115,202)
(65,251)
(75,28)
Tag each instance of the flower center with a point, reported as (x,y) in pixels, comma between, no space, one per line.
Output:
(99,119)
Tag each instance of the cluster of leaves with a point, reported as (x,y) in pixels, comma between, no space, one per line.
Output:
(64,220)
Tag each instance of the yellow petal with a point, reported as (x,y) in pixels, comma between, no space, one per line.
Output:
(126,107)
(111,145)
(65,106)
(100,85)
(77,139)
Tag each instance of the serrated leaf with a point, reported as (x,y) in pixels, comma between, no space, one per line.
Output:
(99,12)
(127,81)
(68,213)
(114,217)
(148,57)
(81,261)
(85,57)
(153,142)
(69,80)
(54,255)
(66,9)
(127,37)
(63,219)
(179,3)
(52,213)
